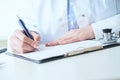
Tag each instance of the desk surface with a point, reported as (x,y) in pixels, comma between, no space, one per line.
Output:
(99,65)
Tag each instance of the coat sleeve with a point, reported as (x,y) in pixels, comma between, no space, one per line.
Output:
(112,22)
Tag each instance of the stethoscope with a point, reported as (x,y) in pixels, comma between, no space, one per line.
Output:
(109,37)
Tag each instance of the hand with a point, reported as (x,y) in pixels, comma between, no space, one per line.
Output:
(20,43)
(74,36)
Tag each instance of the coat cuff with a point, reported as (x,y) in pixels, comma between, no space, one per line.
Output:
(112,22)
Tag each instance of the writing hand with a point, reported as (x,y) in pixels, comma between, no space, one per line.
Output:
(20,43)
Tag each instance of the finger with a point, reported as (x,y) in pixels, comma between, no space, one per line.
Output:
(21,50)
(21,36)
(67,41)
(53,43)
(36,37)
(58,41)
(68,36)
(18,52)
(22,47)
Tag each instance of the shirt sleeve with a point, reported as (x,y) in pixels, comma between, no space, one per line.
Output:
(112,22)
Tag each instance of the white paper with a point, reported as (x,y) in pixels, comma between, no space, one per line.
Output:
(46,52)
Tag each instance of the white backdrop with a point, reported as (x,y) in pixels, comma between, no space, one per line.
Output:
(8,11)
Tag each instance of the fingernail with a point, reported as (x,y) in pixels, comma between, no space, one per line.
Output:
(47,44)
(60,42)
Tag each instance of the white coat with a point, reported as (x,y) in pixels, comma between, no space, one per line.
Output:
(50,16)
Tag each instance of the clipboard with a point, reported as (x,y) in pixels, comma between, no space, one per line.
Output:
(47,54)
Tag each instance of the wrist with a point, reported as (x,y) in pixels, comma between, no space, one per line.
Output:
(89,32)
